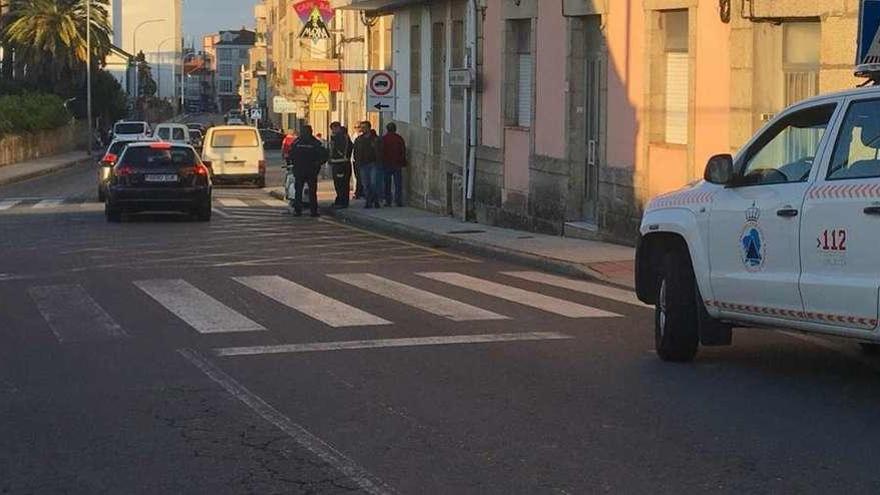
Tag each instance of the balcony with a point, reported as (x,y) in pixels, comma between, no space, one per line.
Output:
(375,6)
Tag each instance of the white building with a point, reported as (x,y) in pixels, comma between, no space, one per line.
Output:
(154,27)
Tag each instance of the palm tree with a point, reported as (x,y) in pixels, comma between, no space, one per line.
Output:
(50,35)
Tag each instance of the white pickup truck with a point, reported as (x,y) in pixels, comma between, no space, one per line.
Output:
(785,234)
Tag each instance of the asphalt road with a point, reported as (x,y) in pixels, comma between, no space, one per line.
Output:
(260,353)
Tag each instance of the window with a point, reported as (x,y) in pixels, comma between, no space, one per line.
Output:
(227,70)
(415,59)
(178,134)
(857,152)
(785,152)
(800,60)
(235,138)
(677,90)
(457,52)
(147,157)
(244,53)
(164,133)
(225,86)
(519,76)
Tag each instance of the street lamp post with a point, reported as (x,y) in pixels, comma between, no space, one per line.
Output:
(137,88)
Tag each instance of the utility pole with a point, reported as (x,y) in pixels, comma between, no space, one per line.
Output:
(89,71)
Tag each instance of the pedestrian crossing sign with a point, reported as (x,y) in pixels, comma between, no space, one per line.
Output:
(320,101)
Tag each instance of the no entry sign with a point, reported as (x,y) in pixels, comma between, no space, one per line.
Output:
(381,87)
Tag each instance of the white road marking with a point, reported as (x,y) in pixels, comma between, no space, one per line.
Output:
(232,202)
(365,480)
(5,205)
(594,289)
(220,212)
(273,202)
(73,316)
(199,310)
(524,297)
(417,298)
(48,203)
(388,343)
(316,305)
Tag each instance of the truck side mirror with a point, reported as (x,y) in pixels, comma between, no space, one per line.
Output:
(719,170)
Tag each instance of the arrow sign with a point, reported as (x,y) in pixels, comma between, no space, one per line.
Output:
(381,89)
(380,106)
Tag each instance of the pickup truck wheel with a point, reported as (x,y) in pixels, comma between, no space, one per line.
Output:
(676,329)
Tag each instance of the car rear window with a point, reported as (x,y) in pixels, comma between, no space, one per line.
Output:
(178,134)
(147,157)
(164,133)
(129,128)
(235,138)
(195,134)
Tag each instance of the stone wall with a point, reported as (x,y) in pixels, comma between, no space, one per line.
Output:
(16,148)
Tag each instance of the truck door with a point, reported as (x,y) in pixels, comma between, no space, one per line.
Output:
(755,224)
(840,236)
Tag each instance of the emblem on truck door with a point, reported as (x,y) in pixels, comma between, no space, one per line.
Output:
(752,241)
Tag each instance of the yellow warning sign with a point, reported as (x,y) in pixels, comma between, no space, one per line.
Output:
(320,101)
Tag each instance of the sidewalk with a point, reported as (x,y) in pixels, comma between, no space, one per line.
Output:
(602,261)
(20,171)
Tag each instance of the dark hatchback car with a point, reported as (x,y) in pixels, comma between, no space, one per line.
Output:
(159,176)
(271,139)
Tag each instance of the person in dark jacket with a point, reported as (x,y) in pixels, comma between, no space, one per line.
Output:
(393,161)
(366,156)
(340,163)
(307,155)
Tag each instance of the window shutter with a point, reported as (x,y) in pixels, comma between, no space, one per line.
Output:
(524,91)
(677,90)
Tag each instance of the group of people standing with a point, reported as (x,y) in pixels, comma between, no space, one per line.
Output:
(378,163)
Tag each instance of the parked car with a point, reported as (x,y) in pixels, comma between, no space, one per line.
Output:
(235,154)
(784,234)
(159,176)
(173,133)
(131,130)
(271,139)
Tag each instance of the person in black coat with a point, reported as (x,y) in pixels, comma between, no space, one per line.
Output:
(340,147)
(307,155)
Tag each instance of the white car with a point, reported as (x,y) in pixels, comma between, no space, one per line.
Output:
(131,130)
(173,133)
(235,154)
(785,234)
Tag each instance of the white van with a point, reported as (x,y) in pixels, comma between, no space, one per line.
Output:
(173,133)
(235,154)
(131,130)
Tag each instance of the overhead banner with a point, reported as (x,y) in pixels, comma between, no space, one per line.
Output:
(315,15)
(307,78)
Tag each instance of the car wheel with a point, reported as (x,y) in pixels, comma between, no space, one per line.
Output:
(676,324)
(203,212)
(112,213)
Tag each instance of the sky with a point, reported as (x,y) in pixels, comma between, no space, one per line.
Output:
(201,17)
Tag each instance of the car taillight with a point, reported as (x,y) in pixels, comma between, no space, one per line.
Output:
(201,170)
(109,160)
(123,171)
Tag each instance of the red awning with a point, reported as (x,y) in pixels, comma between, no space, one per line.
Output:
(305,78)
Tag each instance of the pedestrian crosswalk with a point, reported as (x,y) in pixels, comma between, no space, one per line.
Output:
(73,315)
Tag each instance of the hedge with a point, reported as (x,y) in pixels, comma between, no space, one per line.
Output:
(31,112)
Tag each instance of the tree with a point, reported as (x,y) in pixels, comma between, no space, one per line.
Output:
(146,84)
(50,35)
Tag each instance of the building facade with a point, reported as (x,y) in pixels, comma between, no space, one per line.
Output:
(232,51)
(582,110)
(155,28)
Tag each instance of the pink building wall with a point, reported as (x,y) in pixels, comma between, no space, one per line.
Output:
(625,28)
(550,80)
(712,104)
(491,78)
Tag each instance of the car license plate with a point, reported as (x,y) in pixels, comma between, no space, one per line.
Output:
(235,164)
(161,178)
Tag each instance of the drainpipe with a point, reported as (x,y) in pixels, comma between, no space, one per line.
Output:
(470,115)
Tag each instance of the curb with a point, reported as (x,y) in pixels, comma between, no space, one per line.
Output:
(45,171)
(477,248)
